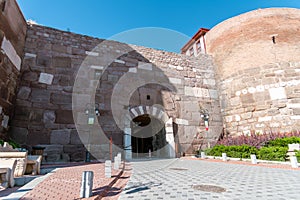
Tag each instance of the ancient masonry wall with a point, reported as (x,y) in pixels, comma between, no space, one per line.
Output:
(12,39)
(52,58)
(257,57)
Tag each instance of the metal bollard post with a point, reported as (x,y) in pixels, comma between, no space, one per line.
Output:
(253,159)
(294,161)
(86,184)
(224,157)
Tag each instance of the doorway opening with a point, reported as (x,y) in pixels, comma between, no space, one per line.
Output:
(148,134)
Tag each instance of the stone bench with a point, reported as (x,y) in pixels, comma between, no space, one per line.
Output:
(33,164)
(20,157)
(4,172)
(7,169)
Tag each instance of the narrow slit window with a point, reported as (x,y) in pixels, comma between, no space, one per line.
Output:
(273,39)
(148,97)
(3,6)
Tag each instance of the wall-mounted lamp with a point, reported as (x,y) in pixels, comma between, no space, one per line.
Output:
(91,110)
(205,116)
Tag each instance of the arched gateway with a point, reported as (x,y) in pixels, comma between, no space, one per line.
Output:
(148,128)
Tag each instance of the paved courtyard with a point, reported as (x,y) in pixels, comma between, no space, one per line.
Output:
(175,178)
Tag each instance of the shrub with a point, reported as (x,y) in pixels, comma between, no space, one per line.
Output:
(256,140)
(243,151)
(283,142)
(272,153)
(298,155)
(11,142)
(273,146)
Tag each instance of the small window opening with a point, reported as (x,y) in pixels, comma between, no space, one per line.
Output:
(148,97)
(274,39)
(3,6)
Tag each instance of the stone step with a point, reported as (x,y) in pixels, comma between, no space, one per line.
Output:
(23,180)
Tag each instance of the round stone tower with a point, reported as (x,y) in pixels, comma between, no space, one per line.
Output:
(257,58)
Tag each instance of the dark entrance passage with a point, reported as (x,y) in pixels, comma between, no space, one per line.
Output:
(141,145)
(148,133)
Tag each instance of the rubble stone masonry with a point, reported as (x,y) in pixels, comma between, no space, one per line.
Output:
(248,81)
(12,39)
(44,109)
(257,57)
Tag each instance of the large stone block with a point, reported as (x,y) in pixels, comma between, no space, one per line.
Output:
(61,98)
(18,134)
(36,115)
(247,99)
(62,62)
(74,138)
(64,117)
(44,60)
(49,116)
(60,136)
(36,137)
(40,95)
(24,93)
(30,76)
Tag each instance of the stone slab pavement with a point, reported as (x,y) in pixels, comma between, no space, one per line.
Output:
(64,183)
(179,179)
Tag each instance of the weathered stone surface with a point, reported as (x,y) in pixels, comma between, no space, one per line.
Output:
(24,93)
(60,136)
(36,116)
(19,134)
(64,117)
(61,99)
(30,76)
(40,95)
(49,116)
(76,152)
(61,62)
(74,137)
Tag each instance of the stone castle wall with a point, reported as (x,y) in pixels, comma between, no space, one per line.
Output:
(257,57)
(12,39)
(44,116)
(250,81)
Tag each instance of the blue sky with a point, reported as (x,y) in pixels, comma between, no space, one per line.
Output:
(125,20)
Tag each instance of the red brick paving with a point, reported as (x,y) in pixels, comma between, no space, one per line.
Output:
(281,166)
(65,183)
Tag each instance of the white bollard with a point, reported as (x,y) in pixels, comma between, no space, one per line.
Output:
(86,184)
(116,163)
(253,159)
(224,157)
(203,156)
(107,168)
(119,155)
(294,161)
(149,153)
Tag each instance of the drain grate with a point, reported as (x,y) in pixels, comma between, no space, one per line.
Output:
(179,169)
(209,188)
